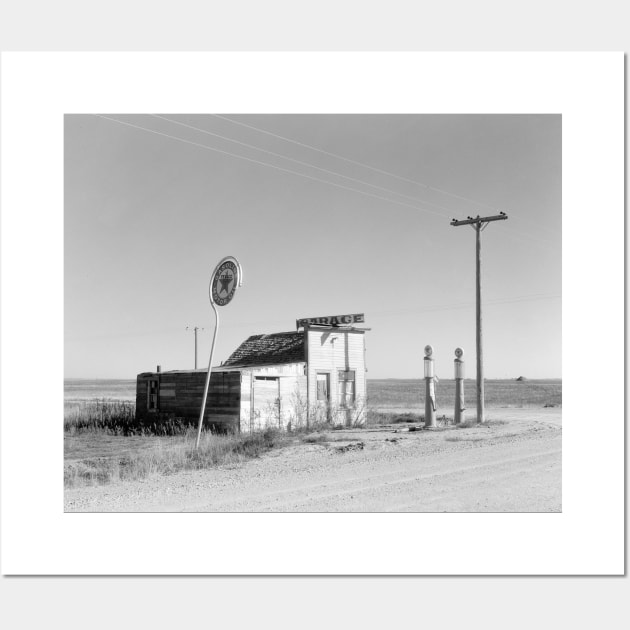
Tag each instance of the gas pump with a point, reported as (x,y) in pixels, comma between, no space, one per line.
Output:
(459,386)
(430,406)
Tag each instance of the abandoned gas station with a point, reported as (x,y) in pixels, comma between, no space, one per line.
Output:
(285,380)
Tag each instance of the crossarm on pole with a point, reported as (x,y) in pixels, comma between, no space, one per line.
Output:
(471,220)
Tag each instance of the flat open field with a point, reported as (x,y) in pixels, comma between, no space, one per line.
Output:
(391,392)
(409,393)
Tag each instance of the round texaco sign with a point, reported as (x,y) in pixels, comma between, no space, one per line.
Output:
(224,283)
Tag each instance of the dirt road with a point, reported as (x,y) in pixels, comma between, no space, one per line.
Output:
(511,467)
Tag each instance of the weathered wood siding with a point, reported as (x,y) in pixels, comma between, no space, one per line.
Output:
(237,401)
(332,351)
(181,393)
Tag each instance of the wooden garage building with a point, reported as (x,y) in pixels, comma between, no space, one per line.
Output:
(285,380)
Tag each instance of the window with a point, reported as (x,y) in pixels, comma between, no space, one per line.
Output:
(152,394)
(323,387)
(346,388)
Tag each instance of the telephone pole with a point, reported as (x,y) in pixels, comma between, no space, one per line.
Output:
(195,328)
(479,224)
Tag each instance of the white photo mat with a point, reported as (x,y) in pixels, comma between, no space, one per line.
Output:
(39,538)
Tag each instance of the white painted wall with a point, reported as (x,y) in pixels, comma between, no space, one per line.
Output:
(292,394)
(330,351)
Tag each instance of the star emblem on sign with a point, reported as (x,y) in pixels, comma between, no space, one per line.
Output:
(226,279)
(224,282)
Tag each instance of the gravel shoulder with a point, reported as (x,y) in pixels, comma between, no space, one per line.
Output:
(511,467)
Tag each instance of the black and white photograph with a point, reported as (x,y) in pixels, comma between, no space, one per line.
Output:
(313,312)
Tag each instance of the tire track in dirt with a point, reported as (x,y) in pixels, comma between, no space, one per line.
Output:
(323,496)
(512,467)
(465,489)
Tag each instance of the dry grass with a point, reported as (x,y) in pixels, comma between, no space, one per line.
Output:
(472,424)
(315,438)
(375,417)
(324,439)
(461,438)
(104,443)
(170,456)
(117,417)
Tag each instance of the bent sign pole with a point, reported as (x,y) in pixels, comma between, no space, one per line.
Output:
(225,278)
(479,224)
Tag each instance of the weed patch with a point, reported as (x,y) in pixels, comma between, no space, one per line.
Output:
(380,417)
(170,457)
(315,438)
(118,417)
(358,446)
(472,424)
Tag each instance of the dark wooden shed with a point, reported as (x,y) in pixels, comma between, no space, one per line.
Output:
(178,394)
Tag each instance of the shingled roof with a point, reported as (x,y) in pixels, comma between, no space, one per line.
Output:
(287,347)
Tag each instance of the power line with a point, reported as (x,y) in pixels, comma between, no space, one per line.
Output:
(335,173)
(345,159)
(325,170)
(307,164)
(372,168)
(279,168)
(304,175)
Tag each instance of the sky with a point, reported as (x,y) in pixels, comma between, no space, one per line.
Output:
(327,214)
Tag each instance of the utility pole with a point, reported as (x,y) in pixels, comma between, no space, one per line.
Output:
(479,224)
(196,328)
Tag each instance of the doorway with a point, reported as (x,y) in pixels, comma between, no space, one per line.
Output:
(266,402)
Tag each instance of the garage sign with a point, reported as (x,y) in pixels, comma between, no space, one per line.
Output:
(331,320)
